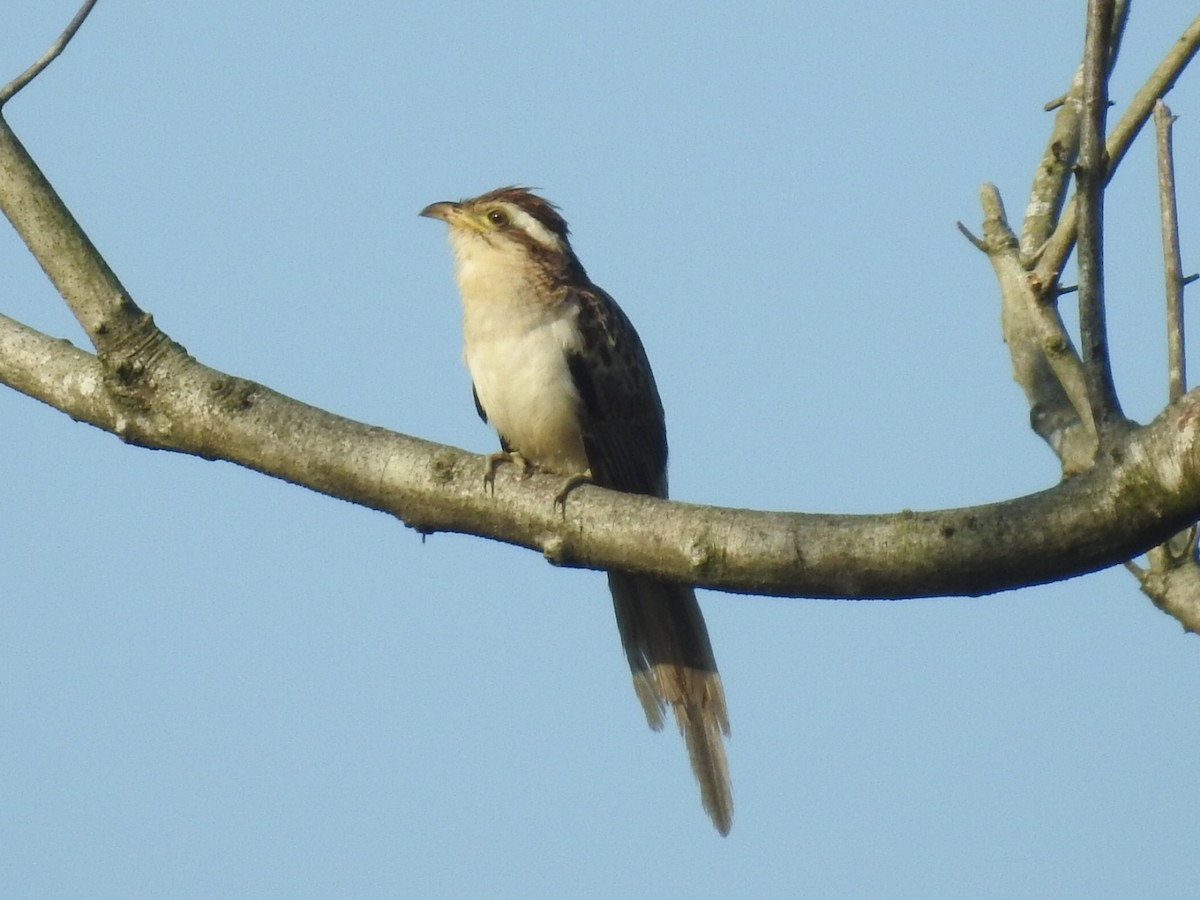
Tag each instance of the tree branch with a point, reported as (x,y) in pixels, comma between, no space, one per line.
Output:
(1091,177)
(1172,579)
(11,89)
(91,289)
(1044,361)
(1053,174)
(1052,256)
(1172,258)
(1147,490)
(1065,400)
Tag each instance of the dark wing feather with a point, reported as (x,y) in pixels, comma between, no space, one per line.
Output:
(504,444)
(624,433)
(478,406)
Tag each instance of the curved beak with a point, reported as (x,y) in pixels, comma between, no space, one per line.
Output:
(444,210)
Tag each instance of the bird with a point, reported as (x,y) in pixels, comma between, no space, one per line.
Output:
(559,372)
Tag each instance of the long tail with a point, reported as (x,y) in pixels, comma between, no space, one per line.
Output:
(666,641)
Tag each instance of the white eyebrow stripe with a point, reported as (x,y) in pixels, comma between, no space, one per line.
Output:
(534,228)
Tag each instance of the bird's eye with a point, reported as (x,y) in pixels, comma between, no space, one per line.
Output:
(498,217)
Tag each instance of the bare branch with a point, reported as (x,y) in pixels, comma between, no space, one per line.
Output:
(1053,174)
(1042,353)
(66,254)
(1044,361)
(1053,255)
(11,89)
(975,242)
(56,373)
(1117,32)
(1172,581)
(1172,259)
(1091,177)
(1128,502)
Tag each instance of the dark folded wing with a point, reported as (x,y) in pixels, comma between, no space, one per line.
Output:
(624,433)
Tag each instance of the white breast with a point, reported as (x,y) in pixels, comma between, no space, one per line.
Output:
(516,350)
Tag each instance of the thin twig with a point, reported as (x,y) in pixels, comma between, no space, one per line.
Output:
(10,90)
(967,233)
(1117,27)
(1091,177)
(1172,259)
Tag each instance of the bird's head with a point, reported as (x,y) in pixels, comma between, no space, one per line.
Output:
(508,226)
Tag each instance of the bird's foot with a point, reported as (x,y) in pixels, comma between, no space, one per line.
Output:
(496,460)
(574,481)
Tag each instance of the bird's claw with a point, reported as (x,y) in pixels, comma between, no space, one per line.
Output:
(574,481)
(501,457)
(496,460)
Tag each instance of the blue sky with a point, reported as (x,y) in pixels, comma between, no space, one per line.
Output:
(214,684)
